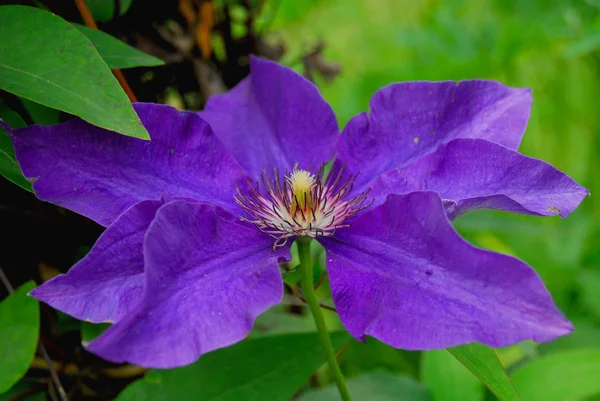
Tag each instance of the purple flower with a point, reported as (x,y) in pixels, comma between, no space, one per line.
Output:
(179,273)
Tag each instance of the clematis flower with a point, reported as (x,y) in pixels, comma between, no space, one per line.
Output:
(198,218)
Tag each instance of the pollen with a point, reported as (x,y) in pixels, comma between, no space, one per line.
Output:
(301,183)
(300,203)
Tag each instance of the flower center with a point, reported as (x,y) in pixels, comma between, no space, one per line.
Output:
(302,204)
(302,182)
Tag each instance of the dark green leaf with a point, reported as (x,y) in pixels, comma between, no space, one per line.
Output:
(19,328)
(17,392)
(116,53)
(45,59)
(483,362)
(373,355)
(104,10)
(41,114)
(380,386)
(9,168)
(277,320)
(448,379)
(567,375)
(11,117)
(267,368)
(90,331)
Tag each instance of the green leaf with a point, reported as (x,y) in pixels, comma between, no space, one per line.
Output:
(104,10)
(380,386)
(19,329)
(116,53)
(18,391)
(277,320)
(373,355)
(291,277)
(268,368)
(483,362)
(41,114)
(45,59)
(567,375)
(9,168)
(448,379)
(90,331)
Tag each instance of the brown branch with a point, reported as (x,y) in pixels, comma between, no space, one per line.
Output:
(70,369)
(88,19)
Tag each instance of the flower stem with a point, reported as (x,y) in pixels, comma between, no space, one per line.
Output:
(306,274)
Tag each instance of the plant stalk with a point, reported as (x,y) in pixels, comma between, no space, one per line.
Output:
(306,279)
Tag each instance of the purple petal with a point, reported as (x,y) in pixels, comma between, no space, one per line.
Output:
(208,276)
(475,174)
(403,275)
(274,118)
(409,120)
(108,282)
(100,174)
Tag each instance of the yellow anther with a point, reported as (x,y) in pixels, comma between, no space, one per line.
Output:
(302,183)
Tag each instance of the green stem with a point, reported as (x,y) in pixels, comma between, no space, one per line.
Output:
(306,272)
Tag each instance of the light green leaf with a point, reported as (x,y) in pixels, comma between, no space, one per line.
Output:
(380,386)
(45,59)
(116,53)
(9,168)
(19,329)
(483,362)
(448,379)
(268,368)
(566,375)
(586,335)
(291,277)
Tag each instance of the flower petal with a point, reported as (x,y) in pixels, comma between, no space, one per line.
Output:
(208,276)
(403,275)
(108,282)
(409,120)
(100,174)
(475,174)
(274,118)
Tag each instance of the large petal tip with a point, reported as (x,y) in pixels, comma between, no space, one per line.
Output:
(99,173)
(409,120)
(476,174)
(208,276)
(107,283)
(427,288)
(44,292)
(274,118)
